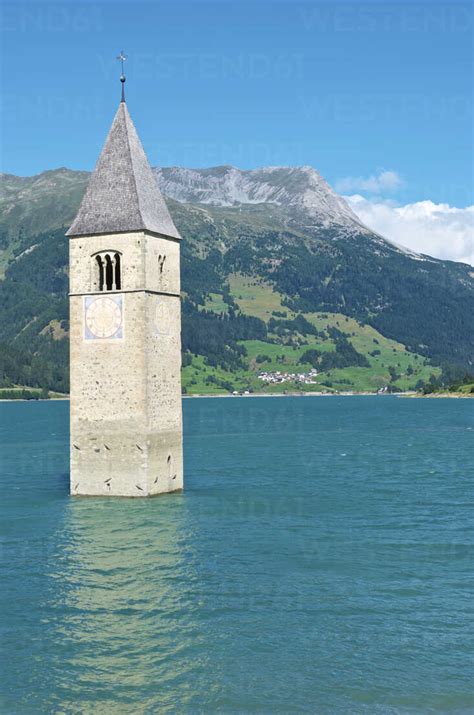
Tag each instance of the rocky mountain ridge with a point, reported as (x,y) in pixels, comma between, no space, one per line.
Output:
(300,189)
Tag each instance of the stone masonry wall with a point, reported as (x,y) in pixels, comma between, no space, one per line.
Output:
(126,425)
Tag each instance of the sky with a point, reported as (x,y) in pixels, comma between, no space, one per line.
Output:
(376,95)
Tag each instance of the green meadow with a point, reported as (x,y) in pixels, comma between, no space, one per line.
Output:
(391,365)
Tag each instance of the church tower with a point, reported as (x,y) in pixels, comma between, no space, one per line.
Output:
(125,328)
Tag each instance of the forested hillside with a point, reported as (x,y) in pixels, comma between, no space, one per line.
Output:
(267,286)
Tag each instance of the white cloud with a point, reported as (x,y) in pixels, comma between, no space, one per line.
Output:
(384,181)
(438,230)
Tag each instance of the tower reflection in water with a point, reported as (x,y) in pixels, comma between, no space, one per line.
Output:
(123,606)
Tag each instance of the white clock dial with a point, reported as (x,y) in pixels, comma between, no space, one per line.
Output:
(103,317)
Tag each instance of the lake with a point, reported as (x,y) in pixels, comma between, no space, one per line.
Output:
(319,561)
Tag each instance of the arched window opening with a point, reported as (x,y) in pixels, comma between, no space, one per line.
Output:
(100,265)
(118,276)
(109,273)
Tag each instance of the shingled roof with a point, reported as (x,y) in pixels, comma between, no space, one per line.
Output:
(122,194)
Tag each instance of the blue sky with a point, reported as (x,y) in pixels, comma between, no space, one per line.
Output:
(355,89)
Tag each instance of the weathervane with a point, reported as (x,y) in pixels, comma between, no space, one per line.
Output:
(122,57)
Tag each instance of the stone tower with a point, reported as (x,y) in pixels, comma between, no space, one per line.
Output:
(125,323)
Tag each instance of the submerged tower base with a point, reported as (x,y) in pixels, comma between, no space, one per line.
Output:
(132,465)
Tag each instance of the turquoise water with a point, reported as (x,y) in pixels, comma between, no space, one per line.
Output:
(319,561)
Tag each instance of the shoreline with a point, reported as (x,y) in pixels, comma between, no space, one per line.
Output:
(35,399)
(213,396)
(441,395)
(291,394)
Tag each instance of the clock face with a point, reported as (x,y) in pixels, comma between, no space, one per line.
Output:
(103,317)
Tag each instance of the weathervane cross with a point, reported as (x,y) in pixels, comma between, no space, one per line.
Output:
(122,57)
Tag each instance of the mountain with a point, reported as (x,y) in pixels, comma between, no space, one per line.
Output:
(274,265)
(302,191)
(33,204)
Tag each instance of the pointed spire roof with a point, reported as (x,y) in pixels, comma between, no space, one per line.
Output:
(123,194)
